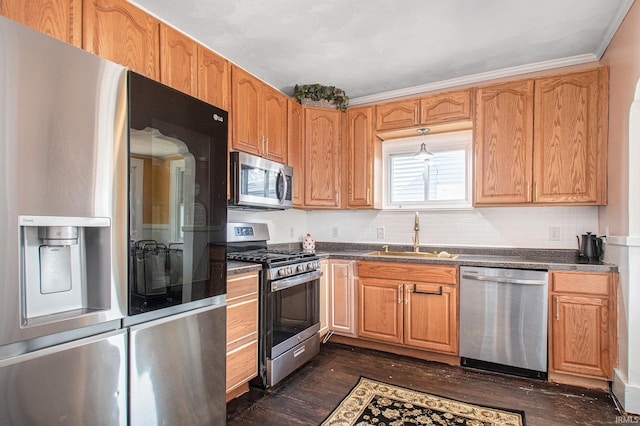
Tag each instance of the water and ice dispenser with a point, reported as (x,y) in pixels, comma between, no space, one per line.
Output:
(65,266)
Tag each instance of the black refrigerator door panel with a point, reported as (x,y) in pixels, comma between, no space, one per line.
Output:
(177,197)
(177,369)
(76,384)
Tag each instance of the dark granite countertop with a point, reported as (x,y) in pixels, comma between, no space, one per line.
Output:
(234,267)
(516,258)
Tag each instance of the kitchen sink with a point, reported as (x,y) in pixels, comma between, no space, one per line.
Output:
(423,255)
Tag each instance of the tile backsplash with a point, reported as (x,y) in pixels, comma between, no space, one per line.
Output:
(533,227)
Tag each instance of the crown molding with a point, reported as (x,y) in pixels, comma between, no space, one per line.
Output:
(475,78)
(613,27)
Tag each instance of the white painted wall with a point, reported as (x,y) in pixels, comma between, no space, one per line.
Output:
(499,227)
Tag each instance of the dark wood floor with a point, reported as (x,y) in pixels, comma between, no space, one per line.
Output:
(311,393)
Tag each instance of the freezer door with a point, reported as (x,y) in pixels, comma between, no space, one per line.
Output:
(78,383)
(177,369)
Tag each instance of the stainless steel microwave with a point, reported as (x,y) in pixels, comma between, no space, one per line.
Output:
(258,183)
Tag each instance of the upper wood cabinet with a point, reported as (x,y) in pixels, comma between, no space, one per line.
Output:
(61,19)
(503,138)
(259,117)
(398,115)
(364,160)
(214,78)
(582,314)
(178,61)
(542,141)
(446,107)
(295,154)
(118,31)
(322,158)
(429,110)
(570,134)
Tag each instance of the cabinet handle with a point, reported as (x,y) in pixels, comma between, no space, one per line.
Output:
(400,294)
(435,293)
(557,308)
(266,142)
(368,195)
(528,191)
(406,294)
(535,190)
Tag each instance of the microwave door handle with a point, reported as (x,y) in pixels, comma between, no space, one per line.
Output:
(283,176)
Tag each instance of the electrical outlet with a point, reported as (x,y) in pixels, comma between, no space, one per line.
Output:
(291,232)
(334,232)
(554,233)
(380,232)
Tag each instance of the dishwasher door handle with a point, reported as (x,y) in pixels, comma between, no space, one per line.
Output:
(504,280)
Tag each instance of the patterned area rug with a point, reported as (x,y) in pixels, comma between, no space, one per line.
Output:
(376,403)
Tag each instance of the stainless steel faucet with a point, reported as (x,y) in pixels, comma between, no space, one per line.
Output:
(416,236)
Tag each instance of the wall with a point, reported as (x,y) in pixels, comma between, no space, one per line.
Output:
(622,215)
(501,227)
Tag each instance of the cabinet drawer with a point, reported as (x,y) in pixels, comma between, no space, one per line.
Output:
(408,272)
(242,321)
(242,365)
(581,283)
(239,286)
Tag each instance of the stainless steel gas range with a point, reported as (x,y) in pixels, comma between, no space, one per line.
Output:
(289,307)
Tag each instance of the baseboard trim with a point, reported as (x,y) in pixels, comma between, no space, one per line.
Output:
(398,350)
(628,395)
(583,382)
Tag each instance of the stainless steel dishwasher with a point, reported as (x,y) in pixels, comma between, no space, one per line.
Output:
(503,320)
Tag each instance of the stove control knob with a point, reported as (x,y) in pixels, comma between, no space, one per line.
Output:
(282,272)
(311,266)
(300,268)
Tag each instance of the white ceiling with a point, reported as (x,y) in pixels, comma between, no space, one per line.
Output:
(376,49)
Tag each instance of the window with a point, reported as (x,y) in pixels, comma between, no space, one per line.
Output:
(443,181)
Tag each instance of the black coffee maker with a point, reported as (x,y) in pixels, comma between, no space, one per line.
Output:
(590,247)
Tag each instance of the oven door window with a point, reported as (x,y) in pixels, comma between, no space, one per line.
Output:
(294,309)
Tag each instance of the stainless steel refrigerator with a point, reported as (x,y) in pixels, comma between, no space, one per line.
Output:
(80,344)
(63,244)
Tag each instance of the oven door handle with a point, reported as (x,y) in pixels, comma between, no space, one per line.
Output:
(295,280)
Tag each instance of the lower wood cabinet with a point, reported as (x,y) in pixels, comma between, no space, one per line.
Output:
(325,297)
(415,305)
(242,331)
(343,297)
(582,325)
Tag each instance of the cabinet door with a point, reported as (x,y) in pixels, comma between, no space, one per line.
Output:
(245,110)
(322,158)
(296,150)
(364,153)
(570,140)
(431,317)
(398,115)
(380,310)
(122,33)
(580,335)
(178,61)
(446,107)
(274,125)
(214,78)
(503,137)
(61,19)
(324,297)
(342,293)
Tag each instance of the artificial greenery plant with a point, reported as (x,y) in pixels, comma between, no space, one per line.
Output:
(317,92)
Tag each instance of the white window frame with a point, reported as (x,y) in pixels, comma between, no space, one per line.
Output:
(435,143)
